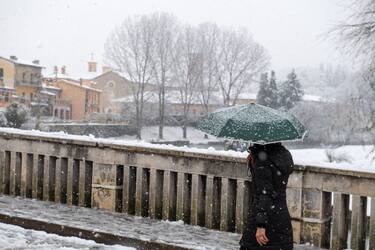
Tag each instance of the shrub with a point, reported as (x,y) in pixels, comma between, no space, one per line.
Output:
(16,115)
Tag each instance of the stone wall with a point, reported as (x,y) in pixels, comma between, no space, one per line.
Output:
(200,189)
(98,130)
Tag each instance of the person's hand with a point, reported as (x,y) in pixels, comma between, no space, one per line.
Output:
(261,236)
(250,160)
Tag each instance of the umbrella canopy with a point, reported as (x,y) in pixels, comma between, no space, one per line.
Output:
(254,123)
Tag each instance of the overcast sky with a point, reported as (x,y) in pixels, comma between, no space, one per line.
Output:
(67,32)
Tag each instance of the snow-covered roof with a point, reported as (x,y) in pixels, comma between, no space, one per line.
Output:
(79,85)
(58,76)
(50,87)
(89,75)
(247,96)
(316,98)
(123,75)
(311,98)
(22,62)
(45,92)
(171,97)
(84,76)
(6,88)
(39,104)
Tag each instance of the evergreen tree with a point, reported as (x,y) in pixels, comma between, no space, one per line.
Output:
(273,92)
(268,94)
(290,92)
(16,115)
(264,90)
(3,120)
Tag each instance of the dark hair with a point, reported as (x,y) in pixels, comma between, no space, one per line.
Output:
(264,147)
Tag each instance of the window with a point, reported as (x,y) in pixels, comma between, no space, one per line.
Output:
(23,77)
(110,84)
(23,97)
(1,74)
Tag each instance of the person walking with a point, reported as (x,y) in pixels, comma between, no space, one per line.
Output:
(269,225)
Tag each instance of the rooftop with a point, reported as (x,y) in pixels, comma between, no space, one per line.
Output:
(74,83)
(22,62)
(84,76)
(172,97)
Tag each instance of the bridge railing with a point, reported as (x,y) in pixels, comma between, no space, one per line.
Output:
(179,184)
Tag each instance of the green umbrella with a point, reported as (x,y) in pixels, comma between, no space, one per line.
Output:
(254,123)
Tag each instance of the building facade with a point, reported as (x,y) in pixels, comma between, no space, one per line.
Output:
(114,86)
(23,77)
(76,100)
(19,79)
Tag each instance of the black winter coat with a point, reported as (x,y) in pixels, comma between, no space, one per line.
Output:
(272,165)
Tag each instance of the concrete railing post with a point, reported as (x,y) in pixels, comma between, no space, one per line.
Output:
(294,201)
(228,204)
(142,192)
(82,184)
(58,186)
(209,201)
(372,225)
(242,205)
(197,200)
(183,197)
(103,191)
(316,217)
(46,177)
(24,173)
(125,190)
(168,189)
(34,181)
(358,225)
(339,221)
(2,170)
(13,173)
(69,182)
(156,193)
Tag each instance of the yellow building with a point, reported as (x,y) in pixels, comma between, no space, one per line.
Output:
(83,100)
(19,77)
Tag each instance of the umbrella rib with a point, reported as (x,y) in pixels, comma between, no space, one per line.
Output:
(296,130)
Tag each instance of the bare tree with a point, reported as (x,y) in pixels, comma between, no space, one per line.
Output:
(187,70)
(209,38)
(165,40)
(358,31)
(240,61)
(129,49)
(357,36)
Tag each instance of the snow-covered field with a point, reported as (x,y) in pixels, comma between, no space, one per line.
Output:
(14,237)
(194,135)
(357,157)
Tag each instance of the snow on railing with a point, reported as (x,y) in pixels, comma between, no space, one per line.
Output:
(201,187)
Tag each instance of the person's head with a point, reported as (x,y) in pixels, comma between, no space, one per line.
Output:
(263,147)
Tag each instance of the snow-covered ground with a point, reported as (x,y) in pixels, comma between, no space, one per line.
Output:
(168,232)
(194,135)
(357,157)
(14,237)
